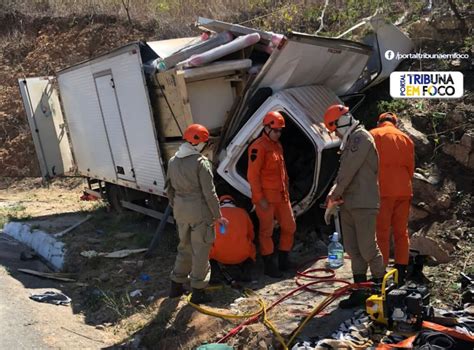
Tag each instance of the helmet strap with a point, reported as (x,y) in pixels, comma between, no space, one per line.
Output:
(200,146)
(265,130)
(344,125)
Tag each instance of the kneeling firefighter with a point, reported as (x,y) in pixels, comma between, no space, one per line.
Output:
(356,187)
(234,243)
(191,193)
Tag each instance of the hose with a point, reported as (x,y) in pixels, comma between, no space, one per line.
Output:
(327,277)
(247,292)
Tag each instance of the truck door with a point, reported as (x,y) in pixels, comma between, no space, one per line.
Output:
(45,118)
(113,122)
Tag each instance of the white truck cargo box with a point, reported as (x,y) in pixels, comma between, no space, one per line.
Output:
(110,121)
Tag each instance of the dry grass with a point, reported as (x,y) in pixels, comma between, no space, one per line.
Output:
(175,16)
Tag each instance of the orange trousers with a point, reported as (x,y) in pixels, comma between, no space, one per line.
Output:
(394,213)
(284,215)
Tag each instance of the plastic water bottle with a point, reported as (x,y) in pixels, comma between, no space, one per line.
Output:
(335,252)
(222,229)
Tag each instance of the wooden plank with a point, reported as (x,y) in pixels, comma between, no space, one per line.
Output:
(52,276)
(69,229)
(217,68)
(183,93)
(174,112)
(146,211)
(93,193)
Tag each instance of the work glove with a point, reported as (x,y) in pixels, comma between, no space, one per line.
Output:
(331,209)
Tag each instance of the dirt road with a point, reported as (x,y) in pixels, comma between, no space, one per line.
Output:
(26,324)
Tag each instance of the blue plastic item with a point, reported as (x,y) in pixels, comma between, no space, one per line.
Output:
(144,277)
(222,229)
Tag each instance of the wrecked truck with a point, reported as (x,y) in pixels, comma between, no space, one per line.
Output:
(118,118)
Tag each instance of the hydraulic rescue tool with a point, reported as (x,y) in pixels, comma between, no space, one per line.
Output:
(402,308)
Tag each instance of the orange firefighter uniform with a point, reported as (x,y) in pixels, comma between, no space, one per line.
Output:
(236,244)
(269,180)
(396,167)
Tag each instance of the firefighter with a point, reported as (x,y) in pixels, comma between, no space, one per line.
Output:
(268,180)
(191,193)
(356,188)
(234,244)
(396,167)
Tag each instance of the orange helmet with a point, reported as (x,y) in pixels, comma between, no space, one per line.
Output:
(196,133)
(388,117)
(274,120)
(226,198)
(333,113)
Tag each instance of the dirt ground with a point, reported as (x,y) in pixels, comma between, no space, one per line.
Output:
(103,287)
(27,324)
(101,293)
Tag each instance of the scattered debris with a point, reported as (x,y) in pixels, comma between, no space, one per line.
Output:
(124,235)
(144,277)
(89,254)
(52,298)
(119,254)
(69,229)
(136,293)
(50,275)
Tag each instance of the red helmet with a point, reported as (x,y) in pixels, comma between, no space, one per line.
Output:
(274,120)
(388,117)
(333,113)
(196,133)
(226,198)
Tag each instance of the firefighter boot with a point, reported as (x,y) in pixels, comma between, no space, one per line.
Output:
(216,274)
(358,297)
(284,262)
(200,296)
(246,270)
(176,289)
(270,268)
(402,273)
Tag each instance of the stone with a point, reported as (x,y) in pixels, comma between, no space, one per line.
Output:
(461,153)
(92,240)
(456,63)
(423,29)
(454,118)
(417,213)
(124,235)
(443,201)
(104,277)
(424,192)
(467,140)
(423,147)
(429,246)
